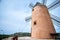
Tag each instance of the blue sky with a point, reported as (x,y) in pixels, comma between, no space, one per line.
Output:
(14,12)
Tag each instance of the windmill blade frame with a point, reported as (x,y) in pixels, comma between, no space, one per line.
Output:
(31,5)
(54,5)
(56,23)
(55,19)
(44,2)
(27,19)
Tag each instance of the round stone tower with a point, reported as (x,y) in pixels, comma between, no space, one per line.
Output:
(42,25)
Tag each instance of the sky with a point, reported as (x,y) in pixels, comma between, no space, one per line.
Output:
(14,12)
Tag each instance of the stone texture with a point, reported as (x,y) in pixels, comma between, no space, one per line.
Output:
(42,25)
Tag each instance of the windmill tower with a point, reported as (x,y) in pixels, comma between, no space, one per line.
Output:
(42,26)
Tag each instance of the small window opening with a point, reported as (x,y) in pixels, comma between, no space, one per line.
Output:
(32,9)
(34,22)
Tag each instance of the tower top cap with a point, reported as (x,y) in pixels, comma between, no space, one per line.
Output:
(39,4)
